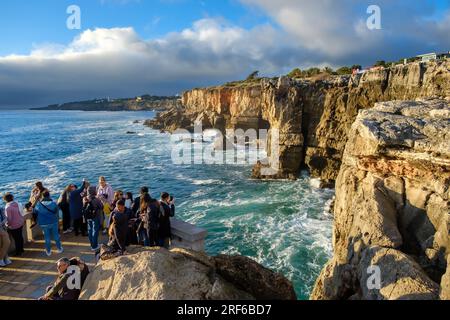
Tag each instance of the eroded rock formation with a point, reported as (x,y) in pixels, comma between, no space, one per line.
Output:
(159,274)
(392,207)
(314,117)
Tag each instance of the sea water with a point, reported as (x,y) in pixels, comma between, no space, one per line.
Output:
(283,225)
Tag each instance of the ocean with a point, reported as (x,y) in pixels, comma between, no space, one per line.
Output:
(284,225)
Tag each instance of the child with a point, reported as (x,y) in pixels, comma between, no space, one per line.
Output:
(107,209)
(29,209)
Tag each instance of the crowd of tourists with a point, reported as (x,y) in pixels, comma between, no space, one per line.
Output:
(87,211)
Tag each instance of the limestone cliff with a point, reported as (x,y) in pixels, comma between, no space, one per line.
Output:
(178,274)
(314,117)
(392,207)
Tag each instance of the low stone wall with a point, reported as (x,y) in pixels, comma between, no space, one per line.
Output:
(185,235)
(188,236)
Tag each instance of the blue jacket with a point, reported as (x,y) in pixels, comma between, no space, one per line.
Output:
(47,212)
(2,219)
(76,203)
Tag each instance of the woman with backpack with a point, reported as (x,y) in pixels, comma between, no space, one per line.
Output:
(47,212)
(92,213)
(149,214)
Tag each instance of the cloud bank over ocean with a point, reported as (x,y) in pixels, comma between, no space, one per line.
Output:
(118,62)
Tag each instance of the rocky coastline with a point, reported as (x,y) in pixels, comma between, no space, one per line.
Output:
(314,117)
(382,140)
(392,207)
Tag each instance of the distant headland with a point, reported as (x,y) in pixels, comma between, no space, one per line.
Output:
(141,103)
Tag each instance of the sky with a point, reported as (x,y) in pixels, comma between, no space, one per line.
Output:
(127,48)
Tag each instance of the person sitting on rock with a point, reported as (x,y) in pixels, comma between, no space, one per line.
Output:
(84,269)
(61,290)
(119,228)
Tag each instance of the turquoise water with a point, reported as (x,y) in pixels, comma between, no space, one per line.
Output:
(282,225)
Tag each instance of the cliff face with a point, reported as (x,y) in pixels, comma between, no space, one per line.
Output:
(314,117)
(392,207)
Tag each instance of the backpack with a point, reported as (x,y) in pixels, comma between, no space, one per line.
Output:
(89,211)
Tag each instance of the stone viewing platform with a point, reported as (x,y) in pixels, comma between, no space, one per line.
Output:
(29,275)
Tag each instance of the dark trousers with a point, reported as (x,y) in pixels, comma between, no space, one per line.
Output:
(66,216)
(153,237)
(79,226)
(18,240)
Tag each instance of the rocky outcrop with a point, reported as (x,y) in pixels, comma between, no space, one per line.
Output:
(314,117)
(178,274)
(392,207)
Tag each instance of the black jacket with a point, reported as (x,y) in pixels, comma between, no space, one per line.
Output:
(120,230)
(165,229)
(61,291)
(136,206)
(151,217)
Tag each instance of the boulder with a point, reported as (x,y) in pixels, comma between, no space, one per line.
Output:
(401,277)
(249,276)
(179,274)
(445,284)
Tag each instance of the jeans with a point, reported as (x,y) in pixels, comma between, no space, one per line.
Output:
(164,243)
(143,237)
(51,231)
(93,231)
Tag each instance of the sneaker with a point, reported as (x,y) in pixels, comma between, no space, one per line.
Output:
(67,231)
(95,249)
(2,264)
(7,261)
(60,251)
(48,253)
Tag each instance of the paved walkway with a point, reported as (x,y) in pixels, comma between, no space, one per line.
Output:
(29,275)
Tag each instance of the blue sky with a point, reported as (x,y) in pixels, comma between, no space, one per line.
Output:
(130,47)
(27,22)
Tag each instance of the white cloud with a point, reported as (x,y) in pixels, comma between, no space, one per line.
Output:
(118,62)
(338,28)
